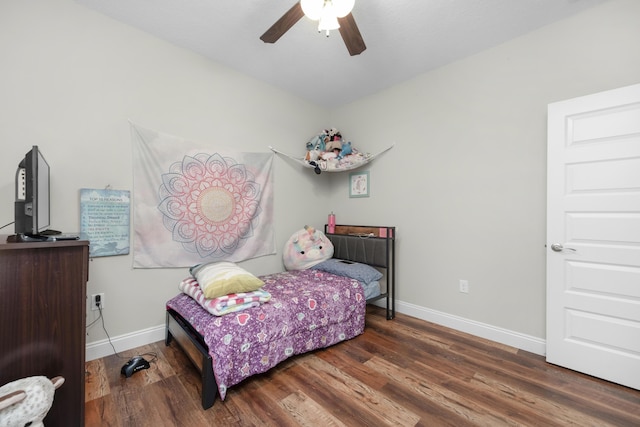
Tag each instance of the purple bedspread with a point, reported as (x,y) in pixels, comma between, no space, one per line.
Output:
(309,309)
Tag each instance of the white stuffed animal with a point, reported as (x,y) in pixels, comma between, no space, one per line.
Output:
(27,401)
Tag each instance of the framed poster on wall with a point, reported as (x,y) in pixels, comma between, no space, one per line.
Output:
(359,184)
(104,221)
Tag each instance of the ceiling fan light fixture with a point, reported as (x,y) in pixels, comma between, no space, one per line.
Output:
(327,12)
(312,8)
(328,21)
(316,9)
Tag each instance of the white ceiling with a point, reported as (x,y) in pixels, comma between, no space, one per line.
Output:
(404,38)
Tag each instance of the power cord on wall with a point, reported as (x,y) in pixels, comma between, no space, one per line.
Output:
(104,328)
(135,363)
(6,225)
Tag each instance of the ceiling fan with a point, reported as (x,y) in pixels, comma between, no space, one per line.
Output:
(319,9)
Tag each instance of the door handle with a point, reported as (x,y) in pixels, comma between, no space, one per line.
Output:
(557,247)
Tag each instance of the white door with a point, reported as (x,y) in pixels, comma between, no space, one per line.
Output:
(593,235)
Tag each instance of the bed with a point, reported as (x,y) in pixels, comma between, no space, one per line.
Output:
(308,310)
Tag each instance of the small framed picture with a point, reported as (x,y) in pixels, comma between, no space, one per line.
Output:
(359,184)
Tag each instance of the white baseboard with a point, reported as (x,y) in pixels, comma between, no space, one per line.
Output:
(483,330)
(98,349)
(102,348)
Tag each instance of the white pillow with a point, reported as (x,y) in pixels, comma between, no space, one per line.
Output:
(223,278)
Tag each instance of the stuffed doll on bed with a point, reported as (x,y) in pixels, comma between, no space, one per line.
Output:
(306,248)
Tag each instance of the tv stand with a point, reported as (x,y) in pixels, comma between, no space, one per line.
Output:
(22,238)
(50,232)
(43,295)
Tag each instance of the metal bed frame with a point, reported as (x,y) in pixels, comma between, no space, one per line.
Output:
(374,246)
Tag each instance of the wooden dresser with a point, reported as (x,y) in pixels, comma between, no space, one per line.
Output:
(42,319)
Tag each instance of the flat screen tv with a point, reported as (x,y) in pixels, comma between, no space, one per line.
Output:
(32,208)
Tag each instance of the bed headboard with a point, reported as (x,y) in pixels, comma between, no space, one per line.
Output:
(369,245)
(365,244)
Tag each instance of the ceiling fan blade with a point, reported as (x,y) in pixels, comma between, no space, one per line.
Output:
(351,35)
(283,24)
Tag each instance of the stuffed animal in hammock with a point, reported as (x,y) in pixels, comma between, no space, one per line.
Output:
(306,248)
(27,401)
(346,150)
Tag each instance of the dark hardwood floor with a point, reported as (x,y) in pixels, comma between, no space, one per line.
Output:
(403,372)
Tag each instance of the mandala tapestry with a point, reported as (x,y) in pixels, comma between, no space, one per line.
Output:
(194,203)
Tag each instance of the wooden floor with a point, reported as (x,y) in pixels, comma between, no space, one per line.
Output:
(404,372)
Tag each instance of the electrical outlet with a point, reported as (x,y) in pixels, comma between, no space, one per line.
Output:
(464,286)
(97,301)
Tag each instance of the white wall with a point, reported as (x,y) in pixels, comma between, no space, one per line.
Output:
(69,81)
(466,182)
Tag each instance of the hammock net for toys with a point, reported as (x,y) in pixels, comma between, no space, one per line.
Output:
(329,152)
(349,162)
